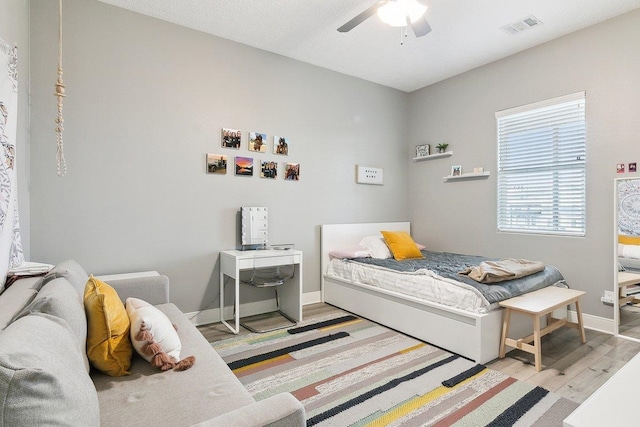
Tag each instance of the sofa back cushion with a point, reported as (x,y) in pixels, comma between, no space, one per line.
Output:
(108,343)
(15,298)
(72,271)
(59,298)
(42,375)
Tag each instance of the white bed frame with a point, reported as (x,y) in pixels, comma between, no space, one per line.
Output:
(475,336)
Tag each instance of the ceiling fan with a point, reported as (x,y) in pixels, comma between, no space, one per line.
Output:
(396,13)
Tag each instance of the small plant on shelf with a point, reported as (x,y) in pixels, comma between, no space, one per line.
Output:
(442,147)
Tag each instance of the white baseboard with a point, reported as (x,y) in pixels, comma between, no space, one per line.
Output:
(311,297)
(212,315)
(596,323)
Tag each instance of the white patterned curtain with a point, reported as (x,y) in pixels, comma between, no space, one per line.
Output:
(629,207)
(10,244)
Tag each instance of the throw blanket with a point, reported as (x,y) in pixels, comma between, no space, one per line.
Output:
(506,269)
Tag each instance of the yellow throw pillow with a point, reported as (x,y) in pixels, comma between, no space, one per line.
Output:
(401,245)
(628,240)
(108,344)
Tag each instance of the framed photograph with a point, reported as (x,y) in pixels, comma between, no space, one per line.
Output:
(231,138)
(292,172)
(217,164)
(620,168)
(422,150)
(258,142)
(269,169)
(281,145)
(456,170)
(244,166)
(633,167)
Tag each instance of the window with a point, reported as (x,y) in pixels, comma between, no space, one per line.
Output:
(541,167)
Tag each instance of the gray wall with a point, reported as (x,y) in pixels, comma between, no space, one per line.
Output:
(14,29)
(147,100)
(602,60)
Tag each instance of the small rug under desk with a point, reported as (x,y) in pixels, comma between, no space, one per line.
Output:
(348,371)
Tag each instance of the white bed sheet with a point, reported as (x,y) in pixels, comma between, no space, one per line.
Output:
(423,284)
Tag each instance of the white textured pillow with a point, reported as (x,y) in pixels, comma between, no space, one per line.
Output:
(157,323)
(629,251)
(376,246)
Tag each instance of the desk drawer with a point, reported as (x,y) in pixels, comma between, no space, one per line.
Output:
(261,262)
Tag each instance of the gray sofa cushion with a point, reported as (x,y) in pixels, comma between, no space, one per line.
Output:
(15,298)
(59,298)
(42,375)
(172,398)
(72,271)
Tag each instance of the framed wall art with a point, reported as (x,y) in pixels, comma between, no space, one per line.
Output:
(269,169)
(258,142)
(292,172)
(231,138)
(217,164)
(244,166)
(281,145)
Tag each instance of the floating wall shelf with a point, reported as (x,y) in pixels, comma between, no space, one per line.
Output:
(433,156)
(466,176)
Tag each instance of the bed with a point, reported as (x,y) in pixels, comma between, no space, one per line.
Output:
(473,331)
(629,251)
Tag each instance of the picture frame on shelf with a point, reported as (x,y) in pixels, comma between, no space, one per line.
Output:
(456,170)
(423,150)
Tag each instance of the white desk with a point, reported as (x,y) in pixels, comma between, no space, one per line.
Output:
(613,403)
(232,262)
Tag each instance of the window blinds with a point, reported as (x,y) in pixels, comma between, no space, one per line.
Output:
(541,167)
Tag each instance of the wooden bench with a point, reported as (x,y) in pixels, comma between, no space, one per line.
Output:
(537,304)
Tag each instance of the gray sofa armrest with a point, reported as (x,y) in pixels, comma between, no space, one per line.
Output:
(281,410)
(153,289)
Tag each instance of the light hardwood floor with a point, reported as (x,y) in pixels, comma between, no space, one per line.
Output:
(630,320)
(570,368)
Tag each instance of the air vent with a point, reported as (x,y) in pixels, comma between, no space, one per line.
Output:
(522,25)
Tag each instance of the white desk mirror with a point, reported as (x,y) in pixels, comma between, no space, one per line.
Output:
(627,250)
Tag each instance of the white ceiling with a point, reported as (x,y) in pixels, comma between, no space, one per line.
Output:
(466,33)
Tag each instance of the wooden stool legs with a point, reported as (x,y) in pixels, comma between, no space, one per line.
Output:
(535,347)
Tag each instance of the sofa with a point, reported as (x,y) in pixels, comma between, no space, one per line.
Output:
(46,378)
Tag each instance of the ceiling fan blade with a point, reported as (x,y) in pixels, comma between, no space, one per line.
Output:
(421,27)
(359,19)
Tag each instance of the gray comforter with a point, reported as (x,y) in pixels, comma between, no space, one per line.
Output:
(448,265)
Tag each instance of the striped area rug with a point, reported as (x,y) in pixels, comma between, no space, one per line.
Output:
(348,371)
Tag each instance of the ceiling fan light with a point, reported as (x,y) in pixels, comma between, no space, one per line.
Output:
(395,13)
(391,14)
(412,9)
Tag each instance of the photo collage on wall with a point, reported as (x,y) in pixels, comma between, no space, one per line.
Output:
(256,142)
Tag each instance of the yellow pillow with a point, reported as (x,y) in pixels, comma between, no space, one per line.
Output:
(401,245)
(628,240)
(108,344)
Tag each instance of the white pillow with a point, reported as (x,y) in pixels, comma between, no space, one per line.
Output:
(376,246)
(355,252)
(629,251)
(157,323)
